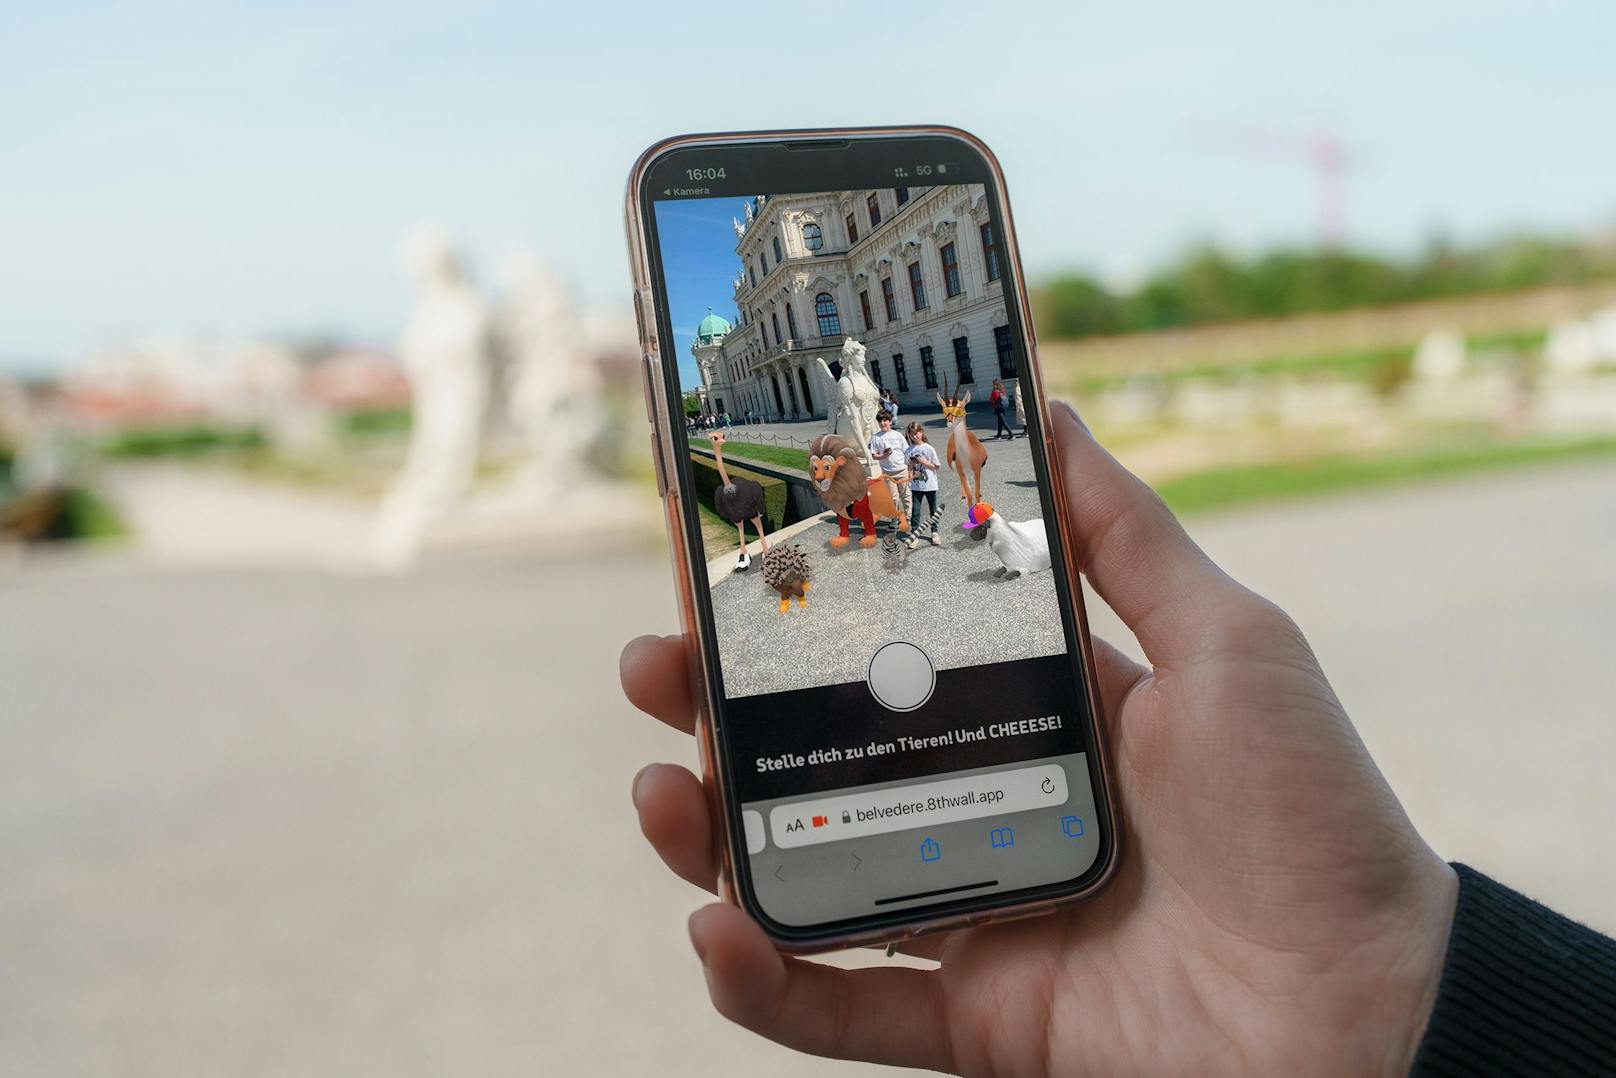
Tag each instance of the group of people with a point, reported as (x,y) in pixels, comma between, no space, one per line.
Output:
(707,421)
(909,465)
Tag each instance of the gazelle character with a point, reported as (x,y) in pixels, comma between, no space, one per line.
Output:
(965,450)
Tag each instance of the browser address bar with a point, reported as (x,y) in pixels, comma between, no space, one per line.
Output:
(925,804)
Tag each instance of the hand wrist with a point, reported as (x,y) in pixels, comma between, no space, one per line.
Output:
(1417,955)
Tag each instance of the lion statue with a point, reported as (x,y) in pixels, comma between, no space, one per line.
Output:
(839,477)
(852,397)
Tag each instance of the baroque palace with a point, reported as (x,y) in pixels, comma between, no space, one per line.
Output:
(913,273)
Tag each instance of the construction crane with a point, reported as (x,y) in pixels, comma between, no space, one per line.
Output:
(1324,150)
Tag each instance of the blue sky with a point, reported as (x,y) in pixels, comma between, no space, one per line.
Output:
(698,258)
(172,167)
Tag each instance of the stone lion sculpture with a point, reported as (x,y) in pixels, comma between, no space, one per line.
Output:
(838,474)
(853,398)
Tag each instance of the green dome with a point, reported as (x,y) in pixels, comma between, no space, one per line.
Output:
(712,327)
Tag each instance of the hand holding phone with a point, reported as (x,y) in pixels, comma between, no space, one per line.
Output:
(1278,913)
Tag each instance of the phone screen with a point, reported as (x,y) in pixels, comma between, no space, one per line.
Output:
(901,712)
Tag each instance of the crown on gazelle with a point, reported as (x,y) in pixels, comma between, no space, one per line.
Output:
(953,407)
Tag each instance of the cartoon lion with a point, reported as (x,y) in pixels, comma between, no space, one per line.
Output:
(846,490)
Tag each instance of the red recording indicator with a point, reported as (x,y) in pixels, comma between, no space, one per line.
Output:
(821,821)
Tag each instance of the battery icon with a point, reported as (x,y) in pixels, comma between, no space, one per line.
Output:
(941,169)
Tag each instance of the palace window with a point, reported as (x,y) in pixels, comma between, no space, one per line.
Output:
(874,206)
(830,323)
(899,373)
(928,366)
(962,360)
(791,321)
(864,308)
(751,276)
(875,372)
(990,252)
(763,264)
(774,318)
(951,273)
(852,230)
(778,257)
(889,298)
(917,288)
(1007,352)
(903,195)
(812,238)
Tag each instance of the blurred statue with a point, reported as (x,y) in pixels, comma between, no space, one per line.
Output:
(554,394)
(853,397)
(445,354)
(1603,324)
(1440,356)
(1571,348)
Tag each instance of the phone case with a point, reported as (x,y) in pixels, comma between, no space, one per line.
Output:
(664,445)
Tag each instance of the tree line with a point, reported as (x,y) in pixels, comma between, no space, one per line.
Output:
(1206,284)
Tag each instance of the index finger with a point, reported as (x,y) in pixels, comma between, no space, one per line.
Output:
(656,679)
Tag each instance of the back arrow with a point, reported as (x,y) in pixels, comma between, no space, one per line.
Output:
(777,875)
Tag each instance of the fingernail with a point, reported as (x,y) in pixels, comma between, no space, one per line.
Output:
(1071,413)
(634,787)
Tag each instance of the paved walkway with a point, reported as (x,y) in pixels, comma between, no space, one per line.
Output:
(185,515)
(266,823)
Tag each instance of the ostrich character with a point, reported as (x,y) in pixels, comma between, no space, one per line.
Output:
(786,570)
(738,500)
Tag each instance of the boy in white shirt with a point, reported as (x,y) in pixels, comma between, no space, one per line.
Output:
(887,449)
(923,463)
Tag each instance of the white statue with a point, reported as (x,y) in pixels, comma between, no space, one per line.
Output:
(1572,348)
(445,353)
(554,394)
(852,397)
(1603,325)
(1440,356)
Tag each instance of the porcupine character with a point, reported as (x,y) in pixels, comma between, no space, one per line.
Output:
(786,570)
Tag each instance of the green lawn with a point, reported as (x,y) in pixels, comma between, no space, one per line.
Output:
(781,456)
(1223,488)
(1383,368)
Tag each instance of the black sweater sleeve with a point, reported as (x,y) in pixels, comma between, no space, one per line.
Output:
(1523,991)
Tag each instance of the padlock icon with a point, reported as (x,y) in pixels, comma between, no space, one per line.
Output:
(847,817)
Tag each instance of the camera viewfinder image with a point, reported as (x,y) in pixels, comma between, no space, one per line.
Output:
(857,433)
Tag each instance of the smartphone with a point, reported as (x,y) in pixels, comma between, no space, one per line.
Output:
(898,719)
